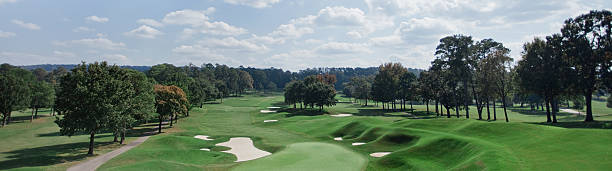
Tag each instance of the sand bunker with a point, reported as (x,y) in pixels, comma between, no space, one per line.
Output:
(266,121)
(203,137)
(267,111)
(338,138)
(244,149)
(273,108)
(357,143)
(341,115)
(379,154)
(204,149)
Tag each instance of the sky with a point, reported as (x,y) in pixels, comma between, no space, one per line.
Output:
(287,34)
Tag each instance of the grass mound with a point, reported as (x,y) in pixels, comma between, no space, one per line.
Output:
(308,156)
(441,154)
(351,130)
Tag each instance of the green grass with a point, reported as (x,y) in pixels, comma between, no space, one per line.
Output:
(426,143)
(433,143)
(37,145)
(309,156)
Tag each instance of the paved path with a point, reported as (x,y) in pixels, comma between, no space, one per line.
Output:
(93,164)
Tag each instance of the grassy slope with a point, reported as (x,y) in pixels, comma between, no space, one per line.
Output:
(423,144)
(38,146)
(309,156)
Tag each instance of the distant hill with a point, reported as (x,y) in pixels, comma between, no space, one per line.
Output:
(51,67)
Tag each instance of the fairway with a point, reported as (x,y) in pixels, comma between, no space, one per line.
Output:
(305,142)
(309,156)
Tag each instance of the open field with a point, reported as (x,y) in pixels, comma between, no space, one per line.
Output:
(421,144)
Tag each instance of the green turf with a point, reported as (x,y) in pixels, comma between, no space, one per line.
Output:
(309,156)
(431,143)
(418,140)
(37,145)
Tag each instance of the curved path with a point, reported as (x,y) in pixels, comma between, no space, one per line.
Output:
(96,162)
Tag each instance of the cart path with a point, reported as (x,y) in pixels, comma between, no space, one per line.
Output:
(93,164)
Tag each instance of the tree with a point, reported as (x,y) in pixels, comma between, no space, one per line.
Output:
(407,88)
(385,87)
(588,44)
(169,101)
(426,88)
(455,51)
(361,88)
(91,96)
(320,94)
(245,81)
(139,105)
(14,91)
(498,65)
(43,95)
(609,104)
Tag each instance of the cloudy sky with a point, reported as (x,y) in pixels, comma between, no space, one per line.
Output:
(288,34)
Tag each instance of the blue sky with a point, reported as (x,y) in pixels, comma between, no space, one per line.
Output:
(284,34)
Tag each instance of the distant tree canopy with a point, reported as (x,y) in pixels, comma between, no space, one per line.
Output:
(312,91)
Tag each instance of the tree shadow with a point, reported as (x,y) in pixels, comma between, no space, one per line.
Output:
(388,113)
(302,112)
(47,155)
(579,124)
(282,104)
(22,119)
(525,111)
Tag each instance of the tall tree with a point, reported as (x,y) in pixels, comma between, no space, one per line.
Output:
(455,51)
(91,95)
(43,95)
(14,91)
(169,102)
(588,43)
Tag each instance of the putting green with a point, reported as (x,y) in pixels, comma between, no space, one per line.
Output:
(309,156)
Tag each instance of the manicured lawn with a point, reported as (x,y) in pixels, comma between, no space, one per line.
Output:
(38,145)
(428,143)
(310,155)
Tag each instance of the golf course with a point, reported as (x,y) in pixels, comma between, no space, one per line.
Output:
(301,141)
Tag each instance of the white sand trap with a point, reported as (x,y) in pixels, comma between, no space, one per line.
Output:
(203,137)
(267,111)
(357,143)
(341,115)
(338,138)
(204,149)
(244,149)
(379,154)
(274,107)
(266,121)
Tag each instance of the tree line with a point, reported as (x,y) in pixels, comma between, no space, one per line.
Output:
(312,91)
(100,98)
(466,72)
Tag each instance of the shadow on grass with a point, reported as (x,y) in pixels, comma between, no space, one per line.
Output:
(302,112)
(21,119)
(47,155)
(391,113)
(579,124)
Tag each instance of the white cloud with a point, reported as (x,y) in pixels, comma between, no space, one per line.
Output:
(83,29)
(150,22)
(265,39)
(114,58)
(343,48)
(4,34)
(30,26)
(234,45)
(253,3)
(353,35)
(144,31)
(186,17)
(63,54)
(97,19)
(200,22)
(339,15)
(20,58)
(97,43)
(291,31)
(197,50)
(221,28)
